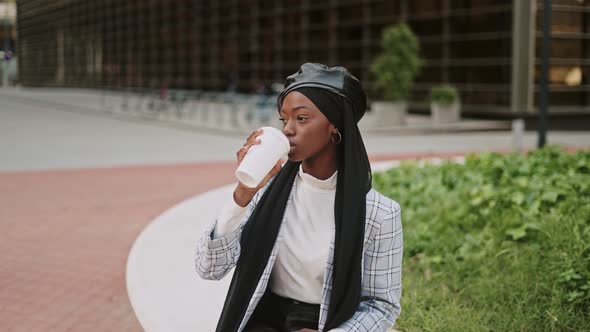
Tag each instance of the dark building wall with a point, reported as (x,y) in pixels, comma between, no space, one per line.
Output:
(466,43)
(227,44)
(60,42)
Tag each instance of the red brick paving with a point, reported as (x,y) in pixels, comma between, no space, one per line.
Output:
(65,237)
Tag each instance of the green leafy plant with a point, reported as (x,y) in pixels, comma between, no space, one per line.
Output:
(444,94)
(498,243)
(396,68)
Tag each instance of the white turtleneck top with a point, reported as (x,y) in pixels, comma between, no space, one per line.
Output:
(298,272)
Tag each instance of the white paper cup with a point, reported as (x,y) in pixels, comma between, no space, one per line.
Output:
(262,157)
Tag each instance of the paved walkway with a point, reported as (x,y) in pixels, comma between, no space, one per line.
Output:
(76,189)
(66,236)
(39,135)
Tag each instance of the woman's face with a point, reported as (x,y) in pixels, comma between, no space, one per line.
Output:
(307,128)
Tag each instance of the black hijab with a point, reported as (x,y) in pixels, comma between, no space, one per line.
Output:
(340,97)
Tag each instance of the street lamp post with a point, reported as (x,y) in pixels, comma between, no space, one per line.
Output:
(544,91)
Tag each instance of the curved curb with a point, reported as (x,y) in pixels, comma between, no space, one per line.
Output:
(158,269)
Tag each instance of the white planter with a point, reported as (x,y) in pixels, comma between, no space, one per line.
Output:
(389,113)
(445,113)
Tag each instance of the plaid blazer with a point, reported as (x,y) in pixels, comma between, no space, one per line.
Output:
(381,265)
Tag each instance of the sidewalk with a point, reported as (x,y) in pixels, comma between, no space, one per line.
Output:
(66,236)
(50,135)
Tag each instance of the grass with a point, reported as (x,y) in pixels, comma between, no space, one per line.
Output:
(500,243)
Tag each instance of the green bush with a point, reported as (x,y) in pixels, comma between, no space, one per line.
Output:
(444,94)
(499,243)
(395,69)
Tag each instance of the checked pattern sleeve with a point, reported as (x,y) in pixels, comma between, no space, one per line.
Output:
(215,257)
(381,289)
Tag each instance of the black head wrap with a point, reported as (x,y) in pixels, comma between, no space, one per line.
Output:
(340,97)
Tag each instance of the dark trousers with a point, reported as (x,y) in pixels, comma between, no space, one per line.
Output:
(278,314)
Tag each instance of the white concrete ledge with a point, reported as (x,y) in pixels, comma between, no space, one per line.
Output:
(164,289)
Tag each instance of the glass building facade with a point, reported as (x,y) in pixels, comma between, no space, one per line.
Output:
(488,49)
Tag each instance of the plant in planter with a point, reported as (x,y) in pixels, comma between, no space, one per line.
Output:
(445,104)
(395,70)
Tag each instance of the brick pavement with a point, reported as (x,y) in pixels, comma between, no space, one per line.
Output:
(66,235)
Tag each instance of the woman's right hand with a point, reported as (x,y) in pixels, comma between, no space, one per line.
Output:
(244,194)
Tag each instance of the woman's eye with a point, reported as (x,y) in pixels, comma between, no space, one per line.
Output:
(301,118)
(282,120)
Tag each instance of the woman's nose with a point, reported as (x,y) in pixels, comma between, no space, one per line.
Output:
(288,129)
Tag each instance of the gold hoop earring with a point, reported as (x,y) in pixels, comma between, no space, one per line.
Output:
(339,138)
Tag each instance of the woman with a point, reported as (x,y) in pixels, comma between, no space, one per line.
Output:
(314,247)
